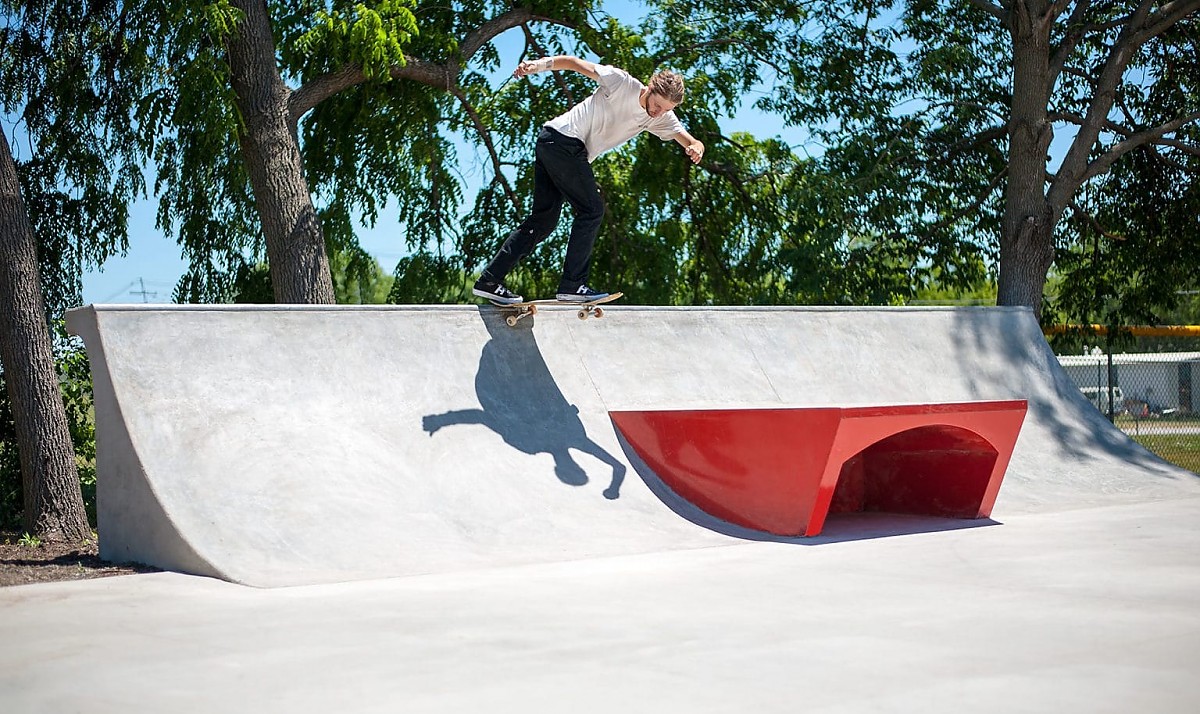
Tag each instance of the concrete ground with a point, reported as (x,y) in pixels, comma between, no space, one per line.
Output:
(1090,610)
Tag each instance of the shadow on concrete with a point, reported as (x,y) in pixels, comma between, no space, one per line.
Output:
(1021,365)
(520,401)
(839,527)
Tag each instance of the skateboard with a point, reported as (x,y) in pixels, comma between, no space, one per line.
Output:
(521,310)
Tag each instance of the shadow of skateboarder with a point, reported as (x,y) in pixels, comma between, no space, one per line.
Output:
(520,401)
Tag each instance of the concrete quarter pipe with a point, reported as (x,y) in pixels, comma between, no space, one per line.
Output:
(284,445)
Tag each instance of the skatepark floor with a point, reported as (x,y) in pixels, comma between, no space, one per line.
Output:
(1090,610)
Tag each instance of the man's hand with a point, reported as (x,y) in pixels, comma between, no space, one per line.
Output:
(695,151)
(544,64)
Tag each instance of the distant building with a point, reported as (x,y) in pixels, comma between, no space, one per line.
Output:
(1155,382)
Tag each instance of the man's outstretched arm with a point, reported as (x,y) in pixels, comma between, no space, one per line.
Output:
(692,146)
(557,62)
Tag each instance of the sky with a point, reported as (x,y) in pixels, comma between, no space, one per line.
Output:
(149,270)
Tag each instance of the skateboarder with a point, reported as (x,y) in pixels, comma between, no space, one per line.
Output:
(620,109)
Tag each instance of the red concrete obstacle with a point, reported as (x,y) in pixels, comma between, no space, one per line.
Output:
(784,470)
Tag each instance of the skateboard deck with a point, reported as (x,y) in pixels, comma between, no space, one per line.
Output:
(520,310)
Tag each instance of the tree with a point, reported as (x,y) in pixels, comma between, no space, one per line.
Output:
(375,97)
(358,279)
(68,76)
(674,232)
(1086,49)
(299,266)
(53,503)
(756,222)
(230,92)
(923,115)
(1135,257)
(944,115)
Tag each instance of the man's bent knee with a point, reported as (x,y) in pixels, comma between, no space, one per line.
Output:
(590,212)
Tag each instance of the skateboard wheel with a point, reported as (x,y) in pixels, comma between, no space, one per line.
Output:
(599,312)
(583,314)
(533,309)
(511,320)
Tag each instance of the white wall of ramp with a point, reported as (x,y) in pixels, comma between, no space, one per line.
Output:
(287,445)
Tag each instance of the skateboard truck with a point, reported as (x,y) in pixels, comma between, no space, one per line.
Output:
(520,312)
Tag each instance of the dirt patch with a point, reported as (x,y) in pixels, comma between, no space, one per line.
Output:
(24,561)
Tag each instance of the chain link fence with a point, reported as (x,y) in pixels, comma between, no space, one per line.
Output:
(1150,388)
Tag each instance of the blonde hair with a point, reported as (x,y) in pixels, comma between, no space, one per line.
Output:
(667,85)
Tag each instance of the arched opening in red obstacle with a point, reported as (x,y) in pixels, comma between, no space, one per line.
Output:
(930,470)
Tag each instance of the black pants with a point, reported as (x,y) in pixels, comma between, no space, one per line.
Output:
(560,172)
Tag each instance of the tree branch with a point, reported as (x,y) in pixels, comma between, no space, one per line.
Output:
(660,59)
(441,76)
(1078,119)
(984,108)
(486,137)
(1057,8)
(992,9)
(1166,17)
(1074,166)
(1151,136)
(1090,219)
(513,18)
(1125,131)
(983,196)
(561,81)
(1174,164)
(327,85)
(1076,29)
(983,137)
(1177,144)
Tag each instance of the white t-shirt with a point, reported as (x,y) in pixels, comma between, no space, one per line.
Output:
(612,115)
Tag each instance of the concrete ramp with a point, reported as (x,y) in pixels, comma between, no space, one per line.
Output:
(281,445)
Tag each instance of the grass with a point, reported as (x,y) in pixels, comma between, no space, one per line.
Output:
(1180,449)
(1127,422)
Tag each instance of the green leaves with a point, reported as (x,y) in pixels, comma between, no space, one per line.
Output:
(220,19)
(1129,251)
(899,185)
(373,38)
(71,79)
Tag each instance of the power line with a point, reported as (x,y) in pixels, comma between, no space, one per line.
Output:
(143,292)
(123,291)
(128,289)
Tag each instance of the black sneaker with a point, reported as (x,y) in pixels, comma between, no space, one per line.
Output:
(495,292)
(581,294)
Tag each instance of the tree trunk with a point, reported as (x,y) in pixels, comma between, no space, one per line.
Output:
(295,241)
(1027,232)
(53,500)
